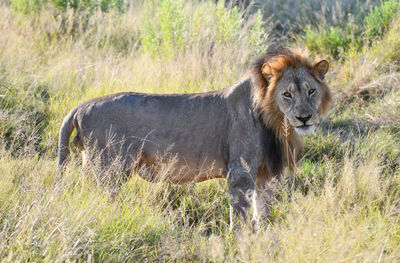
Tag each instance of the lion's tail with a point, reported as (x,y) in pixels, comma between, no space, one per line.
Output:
(63,139)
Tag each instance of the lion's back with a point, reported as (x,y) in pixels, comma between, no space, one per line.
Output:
(187,124)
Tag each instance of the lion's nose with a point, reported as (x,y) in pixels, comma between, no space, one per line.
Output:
(304,119)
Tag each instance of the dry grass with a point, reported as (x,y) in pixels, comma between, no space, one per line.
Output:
(353,215)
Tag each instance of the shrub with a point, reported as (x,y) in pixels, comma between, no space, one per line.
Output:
(34,6)
(173,27)
(165,34)
(378,20)
(290,16)
(337,40)
(228,24)
(329,40)
(257,37)
(388,49)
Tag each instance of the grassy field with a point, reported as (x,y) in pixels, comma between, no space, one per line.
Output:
(341,205)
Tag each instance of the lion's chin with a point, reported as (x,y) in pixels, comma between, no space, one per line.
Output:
(304,130)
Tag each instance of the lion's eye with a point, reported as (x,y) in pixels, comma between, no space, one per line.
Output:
(311,91)
(287,94)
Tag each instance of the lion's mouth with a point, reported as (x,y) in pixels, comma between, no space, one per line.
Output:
(304,126)
(304,129)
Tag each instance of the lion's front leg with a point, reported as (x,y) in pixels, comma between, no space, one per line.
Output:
(241,185)
(262,199)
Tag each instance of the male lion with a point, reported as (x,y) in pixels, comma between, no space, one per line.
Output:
(237,132)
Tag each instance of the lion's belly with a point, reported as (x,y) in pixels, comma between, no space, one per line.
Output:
(181,170)
(184,166)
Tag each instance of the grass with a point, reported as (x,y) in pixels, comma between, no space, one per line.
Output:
(342,203)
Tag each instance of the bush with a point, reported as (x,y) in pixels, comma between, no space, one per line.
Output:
(388,49)
(378,20)
(337,40)
(173,27)
(290,16)
(34,6)
(331,41)
(165,34)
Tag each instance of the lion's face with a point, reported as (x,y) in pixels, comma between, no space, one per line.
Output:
(299,95)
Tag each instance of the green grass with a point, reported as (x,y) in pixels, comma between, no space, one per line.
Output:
(352,33)
(342,203)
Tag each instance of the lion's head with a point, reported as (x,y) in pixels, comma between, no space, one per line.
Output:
(288,84)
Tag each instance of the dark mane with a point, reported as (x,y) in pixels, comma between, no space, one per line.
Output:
(273,157)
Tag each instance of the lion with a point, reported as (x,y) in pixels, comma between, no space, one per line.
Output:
(246,133)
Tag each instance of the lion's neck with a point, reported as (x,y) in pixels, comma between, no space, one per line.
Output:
(281,147)
(292,145)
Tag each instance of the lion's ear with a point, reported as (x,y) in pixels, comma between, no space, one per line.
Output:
(320,69)
(268,71)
